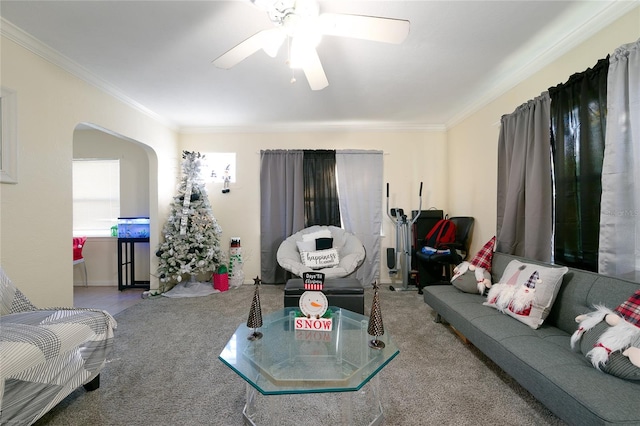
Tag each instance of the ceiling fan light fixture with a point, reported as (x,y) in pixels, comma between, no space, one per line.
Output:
(272,42)
(302,53)
(264,4)
(307,35)
(301,22)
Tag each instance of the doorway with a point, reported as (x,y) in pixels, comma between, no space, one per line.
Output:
(100,250)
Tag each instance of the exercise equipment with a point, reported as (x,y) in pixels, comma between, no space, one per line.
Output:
(401,255)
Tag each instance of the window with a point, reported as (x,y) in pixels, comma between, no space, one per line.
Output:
(219,167)
(96,196)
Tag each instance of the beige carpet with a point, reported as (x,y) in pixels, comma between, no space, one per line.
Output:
(165,370)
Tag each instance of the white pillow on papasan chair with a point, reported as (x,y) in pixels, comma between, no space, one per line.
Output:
(350,251)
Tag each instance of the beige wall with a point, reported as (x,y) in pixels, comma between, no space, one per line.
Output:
(101,259)
(35,213)
(458,167)
(473,142)
(409,158)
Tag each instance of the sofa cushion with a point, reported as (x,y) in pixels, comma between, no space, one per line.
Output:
(541,284)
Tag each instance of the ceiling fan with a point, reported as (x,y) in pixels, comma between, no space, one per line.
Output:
(301,24)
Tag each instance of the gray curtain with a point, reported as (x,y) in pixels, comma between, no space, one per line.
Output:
(619,250)
(360,191)
(281,207)
(524,202)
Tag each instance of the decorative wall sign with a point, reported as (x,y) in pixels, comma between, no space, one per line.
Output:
(313,280)
(313,304)
(315,324)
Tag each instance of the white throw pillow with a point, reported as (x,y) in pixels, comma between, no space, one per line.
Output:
(542,291)
(320,259)
(306,245)
(312,236)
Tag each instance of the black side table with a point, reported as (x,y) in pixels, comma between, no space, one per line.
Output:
(127,263)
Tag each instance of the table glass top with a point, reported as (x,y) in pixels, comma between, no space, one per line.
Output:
(285,360)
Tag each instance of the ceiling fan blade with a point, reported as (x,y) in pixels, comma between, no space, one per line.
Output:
(313,71)
(386,30)
(268,40)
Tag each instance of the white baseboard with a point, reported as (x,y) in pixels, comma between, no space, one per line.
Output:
(96,284)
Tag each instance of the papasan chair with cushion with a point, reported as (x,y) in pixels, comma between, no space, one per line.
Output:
(327,249)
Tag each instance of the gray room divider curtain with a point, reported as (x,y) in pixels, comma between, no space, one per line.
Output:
(619,248)
(524,203)
(360,189)
(282,207)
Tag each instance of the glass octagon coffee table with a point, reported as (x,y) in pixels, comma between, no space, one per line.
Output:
(337,365)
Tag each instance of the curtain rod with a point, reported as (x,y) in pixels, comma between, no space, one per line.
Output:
(342,151)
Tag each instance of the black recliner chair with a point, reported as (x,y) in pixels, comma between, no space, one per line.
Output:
(432,266)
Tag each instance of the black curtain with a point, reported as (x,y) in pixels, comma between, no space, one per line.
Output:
(321,206)
(578,117)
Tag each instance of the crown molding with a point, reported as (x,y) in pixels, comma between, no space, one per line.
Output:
(610,13)
(24,39)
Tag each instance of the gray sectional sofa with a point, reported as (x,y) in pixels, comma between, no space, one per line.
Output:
(542,360)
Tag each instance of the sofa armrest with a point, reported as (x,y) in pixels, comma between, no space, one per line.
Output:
(12,300)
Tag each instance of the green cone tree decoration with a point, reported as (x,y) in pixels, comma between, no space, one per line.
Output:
(255,313)
(375,328)
(191,243)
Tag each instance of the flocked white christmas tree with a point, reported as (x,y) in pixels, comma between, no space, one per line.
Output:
(191,243)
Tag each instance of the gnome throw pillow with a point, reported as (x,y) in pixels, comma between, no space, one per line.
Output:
(611,339)
(475,276)
(526,291)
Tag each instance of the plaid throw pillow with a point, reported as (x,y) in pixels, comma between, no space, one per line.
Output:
(630,309)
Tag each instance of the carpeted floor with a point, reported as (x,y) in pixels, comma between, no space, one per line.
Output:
(165,369)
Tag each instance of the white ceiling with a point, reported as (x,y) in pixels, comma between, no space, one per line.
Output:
(157,56)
